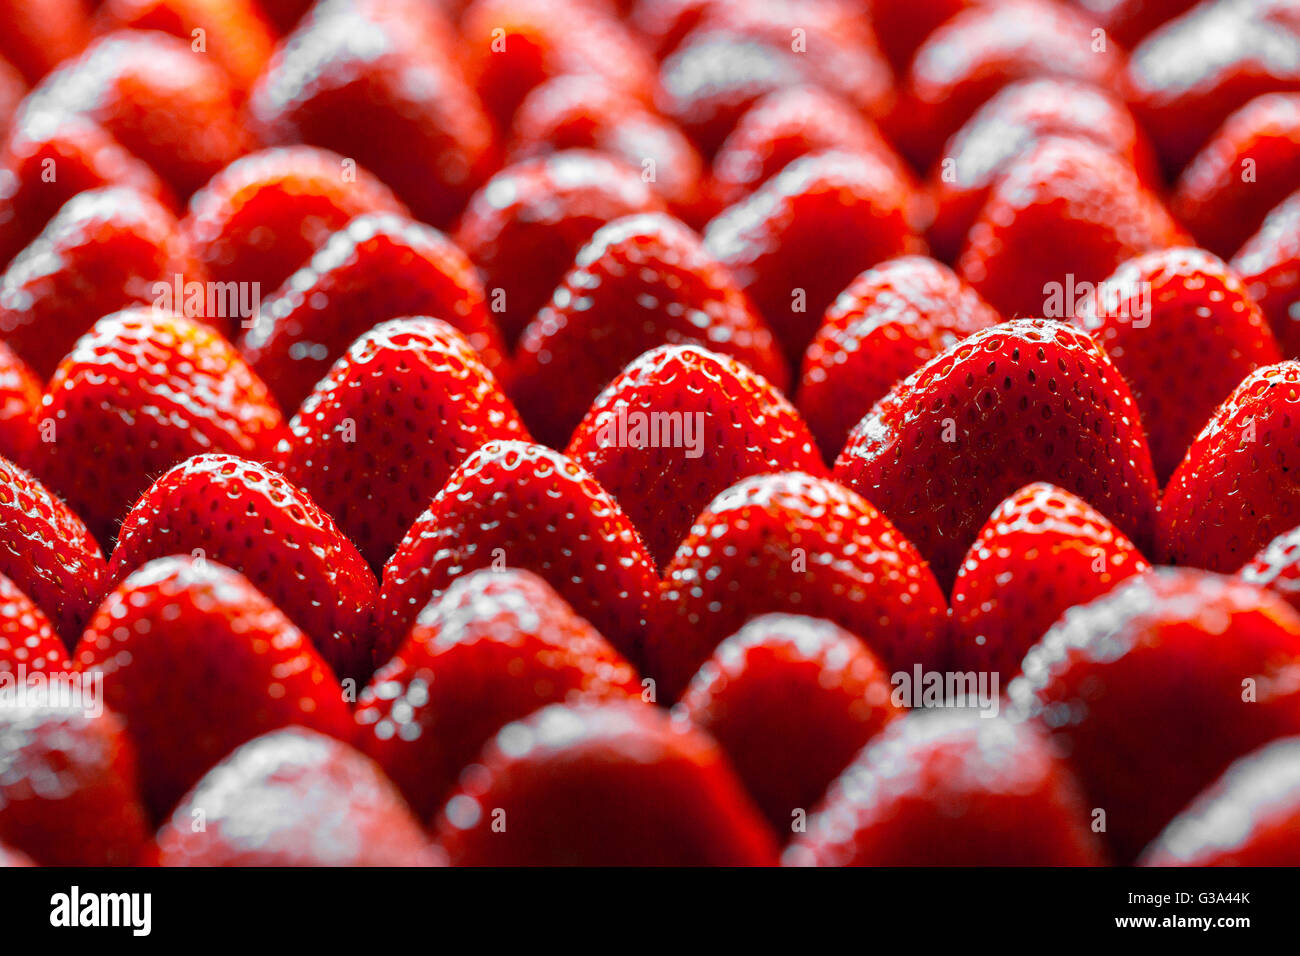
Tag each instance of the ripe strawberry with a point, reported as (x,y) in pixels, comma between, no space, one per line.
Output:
(248,518)
(377,267)
(513,504)
(27,640)
(542,212)
(1134,660)
(1269,264)
(20,398)
(1015,403)
(1237,488)
(1277,567)
(68,793)
(951,789)
(197,661)
(294,797)
(607,785)
(1014,255)
(800,239)
(1042,552)
(105,250)
(794,543)
(1249,817)
(141,391)
(379,436)
(888,322)
(497,646)
(791,699)
(640,282)
(1128,21)
(1010,124)
(680,425)
(47,552)
(39,34)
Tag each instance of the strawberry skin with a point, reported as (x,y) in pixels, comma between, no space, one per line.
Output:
(20,399)
(519,505)
(294,797)
(1128,21)
(903,25)
(249,518)
(27,639)
(1183,331)
(642,281)
(12,90)
(1277,567)
(494,648)
(40,34)
(615,784)
(197,661)
(951,789)
(380,435)
(732,424)
(141,391)
(888,322)
(1042,552)
(1114,683)
(1013,403)
(1269,264)
(791,699)
(794,543)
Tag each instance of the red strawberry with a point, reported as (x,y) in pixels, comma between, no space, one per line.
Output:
(497,646)
(512,504)
(47,552)
(250,519)
(1277,567)
(640,282)
(1014,255)
(380,435)
(1236,489)
(680,425)
(68,787)
(800,239)
(1249,817)
(294,797)
(27,640)
(105,250)
(951,789)
(197,661)
(39,34)
(140,392)
(542,212)
(614,784)
(1018,402)
(1269,264)
(20,398)
(377,267)
(1128,21)
(1010,124)
(791,699)
(886,324)
(1042,552)
(794,543)
(1114,682)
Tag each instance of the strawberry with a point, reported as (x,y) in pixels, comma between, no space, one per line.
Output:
(640,282)
(47,553)
(361,85)
(513,504)
(294,797)
(542,212)
(603,785)
(1128,21)
(1269,264)
(377,267)
(886,324)
(1235,490)
(141,391)
(68,787)
(27,640)
(1114,683)
(799,240)
(1023,401)
(380,435)
(1277,567)
(951,789)
(1010,124)
(1042,552)
(261,218)
(1250,816)
(20,397)
(791,699)
(495,647)
(106,249)
(39,34)
(678,426)
(248,518)
(794,543)
(1013,254)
